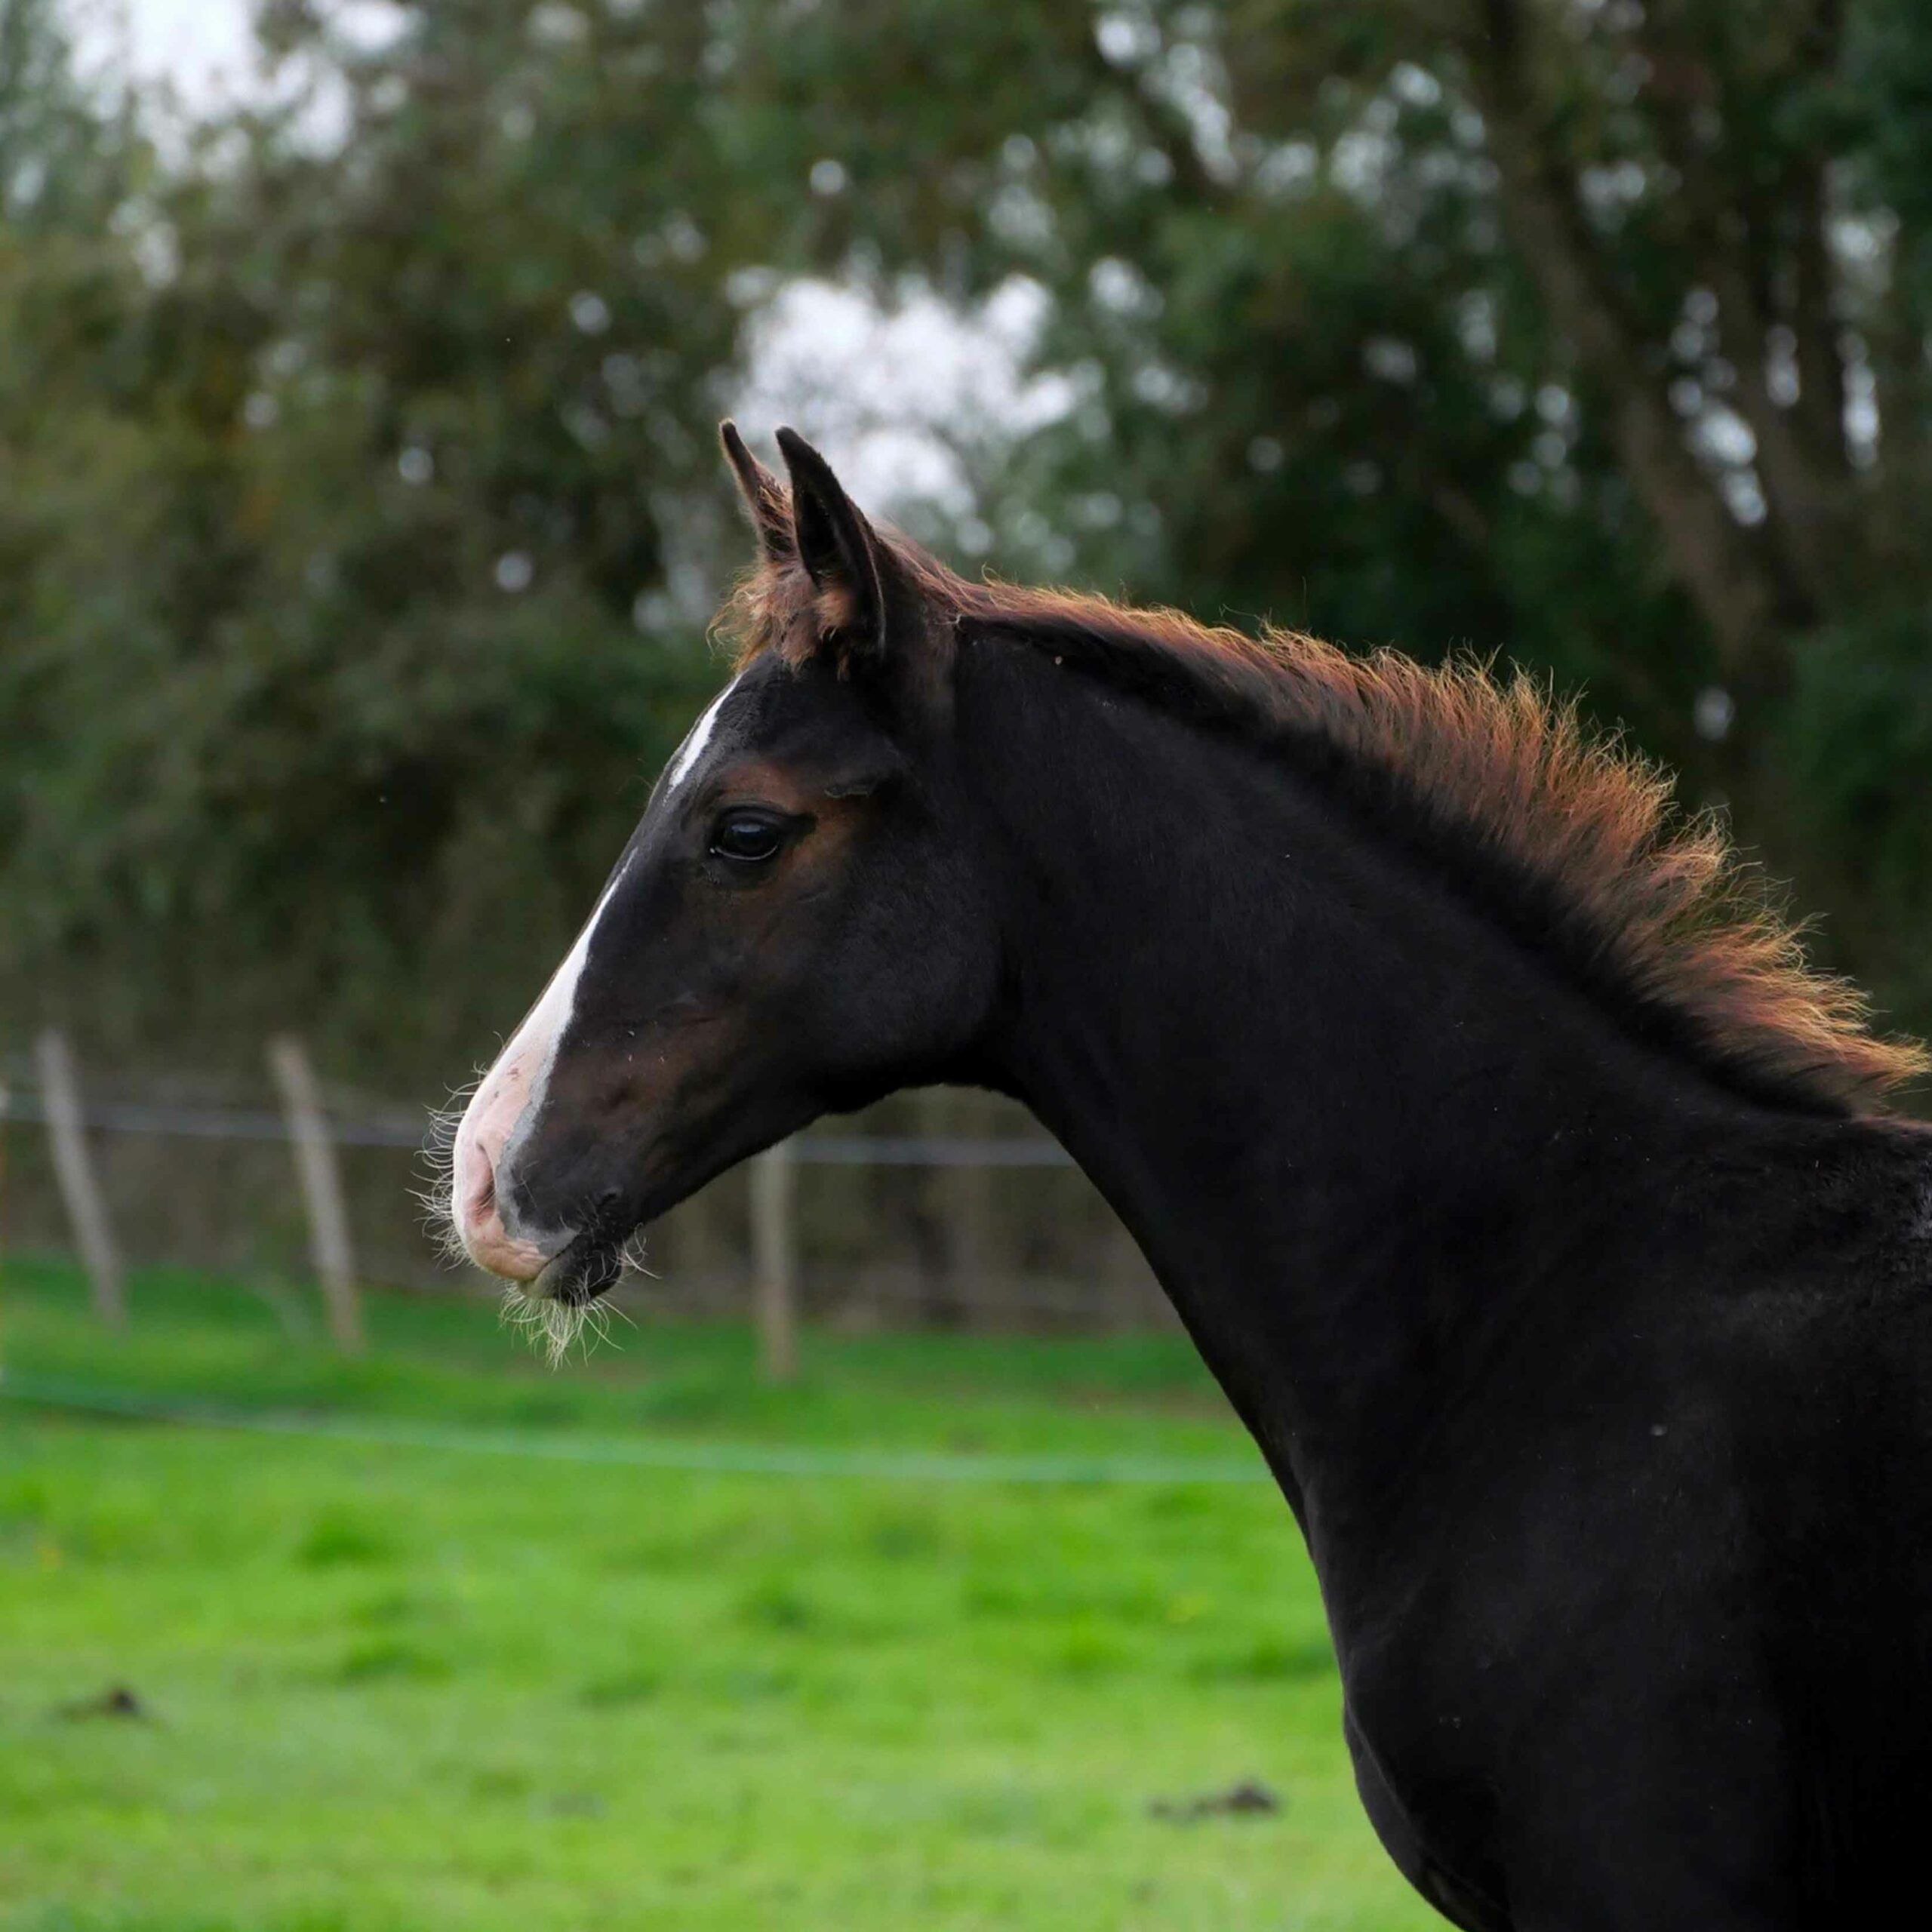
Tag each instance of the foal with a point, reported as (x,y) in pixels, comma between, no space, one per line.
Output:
(1532,1201)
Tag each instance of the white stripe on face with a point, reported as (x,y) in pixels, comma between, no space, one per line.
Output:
(692,749)
(544,1025)
(511,1094)
(507,1103)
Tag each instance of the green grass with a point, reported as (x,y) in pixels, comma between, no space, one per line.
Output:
(396,1686)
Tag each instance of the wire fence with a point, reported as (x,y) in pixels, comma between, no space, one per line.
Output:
(941,1208)
(409,1128)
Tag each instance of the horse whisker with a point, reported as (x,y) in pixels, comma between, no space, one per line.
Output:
(553,1327)
(436,1169)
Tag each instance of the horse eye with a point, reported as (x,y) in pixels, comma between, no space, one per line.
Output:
(746,837)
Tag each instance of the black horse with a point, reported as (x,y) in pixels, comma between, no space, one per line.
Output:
(1532,1201)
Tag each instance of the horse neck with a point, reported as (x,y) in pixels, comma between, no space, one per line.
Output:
(1367,1140)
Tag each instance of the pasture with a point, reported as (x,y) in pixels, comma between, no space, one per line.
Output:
(391,1674)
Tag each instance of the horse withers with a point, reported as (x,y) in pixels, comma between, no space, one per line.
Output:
(1534,1203)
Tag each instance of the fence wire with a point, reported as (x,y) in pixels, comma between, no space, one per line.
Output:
(403,1129)
(917,1219)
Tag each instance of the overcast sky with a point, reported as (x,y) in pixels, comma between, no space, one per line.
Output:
(203,45)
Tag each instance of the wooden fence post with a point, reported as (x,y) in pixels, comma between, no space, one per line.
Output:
(60,1095)
(775,1261)
(321,1187)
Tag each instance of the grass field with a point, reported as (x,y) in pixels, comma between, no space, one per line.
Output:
(426,1681)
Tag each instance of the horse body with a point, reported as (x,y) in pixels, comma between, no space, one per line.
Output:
(1599,1393)
(1587,1335)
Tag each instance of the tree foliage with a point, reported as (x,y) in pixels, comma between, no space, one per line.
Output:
(358,512)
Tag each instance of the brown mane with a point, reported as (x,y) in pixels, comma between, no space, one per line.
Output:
(1649,902)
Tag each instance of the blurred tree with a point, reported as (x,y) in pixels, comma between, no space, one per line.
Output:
(358,513)
(358,551)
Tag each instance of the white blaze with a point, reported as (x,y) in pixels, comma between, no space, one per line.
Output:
(692,749)
(545,1024)
(512,1091)
(510,1094)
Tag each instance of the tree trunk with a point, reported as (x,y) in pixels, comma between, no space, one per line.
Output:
(1710,556)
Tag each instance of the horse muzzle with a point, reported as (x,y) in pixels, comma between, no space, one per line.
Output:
(586,1267)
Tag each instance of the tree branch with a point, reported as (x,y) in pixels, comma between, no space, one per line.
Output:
(1709,554)
(1724,247)
(1819,411)
(1821,406)
(1166,126)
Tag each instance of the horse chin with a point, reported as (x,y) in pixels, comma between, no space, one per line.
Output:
(577,1274)
(562,1304)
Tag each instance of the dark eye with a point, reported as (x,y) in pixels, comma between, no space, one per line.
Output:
(747,838)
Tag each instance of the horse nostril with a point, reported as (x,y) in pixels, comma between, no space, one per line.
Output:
(483,1196)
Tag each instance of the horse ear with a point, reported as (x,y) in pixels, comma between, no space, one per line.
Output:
(841,555)
(765,501)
